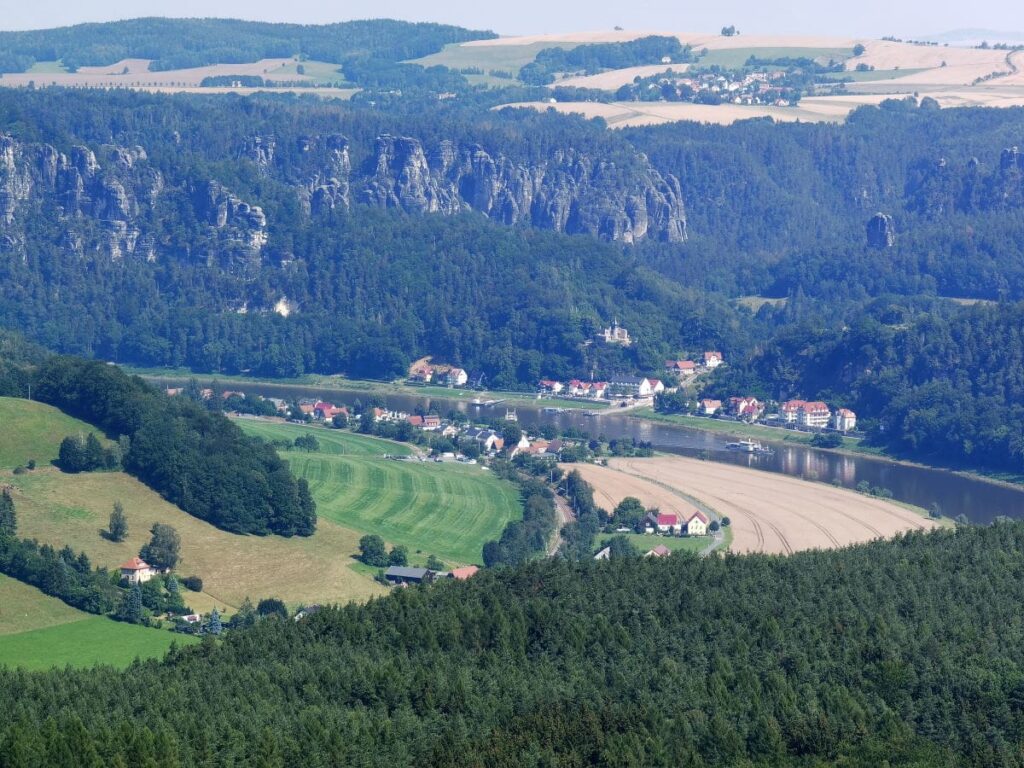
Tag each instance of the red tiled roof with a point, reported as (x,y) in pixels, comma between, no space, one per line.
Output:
(135,564)
(700,516)
(667,518)
(464,573)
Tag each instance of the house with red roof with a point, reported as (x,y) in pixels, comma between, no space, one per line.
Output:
(137,571)
(713,360)
(790,410)
(550,385)
(416,421)
(457,377)
(659,551)
(746,408)
(710,407)
(681,368)
(815,415)
(461,574)
(697,525)
(663,521)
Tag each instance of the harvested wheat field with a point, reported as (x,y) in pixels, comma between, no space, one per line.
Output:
(616,78)
(769,512)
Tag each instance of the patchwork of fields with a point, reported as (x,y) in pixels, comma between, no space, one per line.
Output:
(449,510)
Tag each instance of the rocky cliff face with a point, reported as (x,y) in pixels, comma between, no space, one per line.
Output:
(105,200)
(569,192)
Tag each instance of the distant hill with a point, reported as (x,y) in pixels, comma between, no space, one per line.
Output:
(179,43)
(977,36)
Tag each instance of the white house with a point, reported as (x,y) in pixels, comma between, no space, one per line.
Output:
(550,385)
(815,415)
(137,571)
(710,407)
(697,525)
(713,359)
(663,521)
(457,377)
(681,367)
(845,420)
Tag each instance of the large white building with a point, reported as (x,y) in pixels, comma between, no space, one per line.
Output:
(845,420)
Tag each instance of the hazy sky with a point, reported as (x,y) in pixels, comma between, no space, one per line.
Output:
(904,18)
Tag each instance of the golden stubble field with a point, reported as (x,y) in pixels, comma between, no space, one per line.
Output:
(770,513)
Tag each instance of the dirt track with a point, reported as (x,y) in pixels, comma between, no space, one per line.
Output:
(769,512)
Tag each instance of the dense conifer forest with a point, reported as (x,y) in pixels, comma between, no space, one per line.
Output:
(904,653)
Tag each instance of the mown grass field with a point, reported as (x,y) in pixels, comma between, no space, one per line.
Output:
(38,632)
(733,58)
(31,430)
(507,58)
(448,510)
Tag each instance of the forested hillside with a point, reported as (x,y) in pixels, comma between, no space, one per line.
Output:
(180,43)
(284,236)
(904,653)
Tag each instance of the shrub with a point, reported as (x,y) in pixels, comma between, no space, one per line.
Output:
(193,583)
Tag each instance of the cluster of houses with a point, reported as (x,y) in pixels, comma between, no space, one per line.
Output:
(805,414)
(693,523)
(443,375)
(721,87)
(401,575)
(685,368)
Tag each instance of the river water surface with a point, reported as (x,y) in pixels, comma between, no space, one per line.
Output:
(954,494)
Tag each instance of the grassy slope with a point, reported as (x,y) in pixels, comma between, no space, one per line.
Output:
(24,608)
(733,58)
(92,640)
(446,509)
(38,631)
(509,58)
(32,430)
(72,509)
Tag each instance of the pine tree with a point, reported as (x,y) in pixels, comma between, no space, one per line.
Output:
(118,527)
(131,605)
(8,520)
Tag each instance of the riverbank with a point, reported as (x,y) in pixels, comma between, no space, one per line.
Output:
(852,446)
(361,386)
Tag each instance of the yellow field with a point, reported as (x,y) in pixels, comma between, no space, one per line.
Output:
(769,512)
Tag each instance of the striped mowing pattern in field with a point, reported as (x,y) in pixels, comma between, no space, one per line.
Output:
(449,510)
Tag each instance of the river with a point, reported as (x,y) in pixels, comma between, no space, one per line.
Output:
(955,494)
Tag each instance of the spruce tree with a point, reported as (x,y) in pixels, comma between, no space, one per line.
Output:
(215,627)
(131,605)
(8,520)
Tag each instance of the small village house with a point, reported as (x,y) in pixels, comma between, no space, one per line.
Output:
(681,368)
(713,360)
(398,574)
(137,571)
(659,551)
(550,386)
(697,525)
(457,377)
(663,522)
(746,408)
(710,407)
(845,420)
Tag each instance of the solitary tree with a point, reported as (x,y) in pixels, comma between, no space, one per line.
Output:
(118,526)
(434,563)
(215,627)
(163,548)
(271,606)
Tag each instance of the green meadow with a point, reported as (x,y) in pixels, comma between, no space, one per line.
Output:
(38,632)
(30,430)
(449,510)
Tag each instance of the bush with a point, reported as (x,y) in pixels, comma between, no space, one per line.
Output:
(271,606)
(193,583)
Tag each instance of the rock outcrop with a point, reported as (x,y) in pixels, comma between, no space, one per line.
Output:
(881,231)
(106,201)
(569,192)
